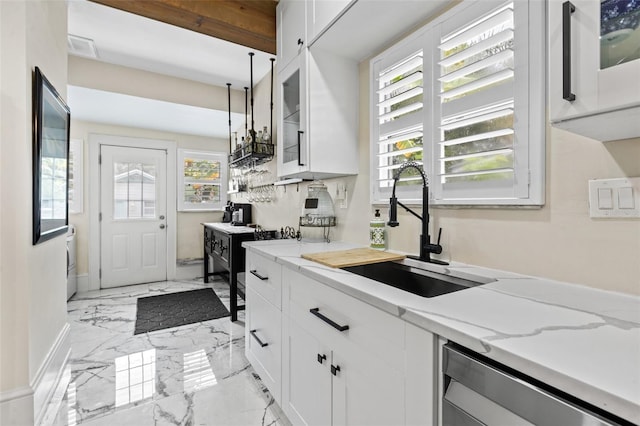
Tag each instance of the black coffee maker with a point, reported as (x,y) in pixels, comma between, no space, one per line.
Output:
(241,214)
(228,210)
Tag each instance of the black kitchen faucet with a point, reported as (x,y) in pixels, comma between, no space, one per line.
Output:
(426,248)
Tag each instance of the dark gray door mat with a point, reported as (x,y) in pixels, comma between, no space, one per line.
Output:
(176,309)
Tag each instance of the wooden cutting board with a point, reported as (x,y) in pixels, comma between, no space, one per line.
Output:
(352,257)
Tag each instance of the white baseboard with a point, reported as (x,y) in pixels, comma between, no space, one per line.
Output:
(16,407)
(51,374)
(83,283)
(188,272)
(28,405)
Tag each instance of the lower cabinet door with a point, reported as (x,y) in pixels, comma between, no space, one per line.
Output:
(306,389)
(263,341)
(366,390)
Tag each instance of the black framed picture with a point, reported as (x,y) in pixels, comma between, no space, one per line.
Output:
(51,123)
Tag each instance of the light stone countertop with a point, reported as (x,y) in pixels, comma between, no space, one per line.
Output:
(581,340)
(229,228)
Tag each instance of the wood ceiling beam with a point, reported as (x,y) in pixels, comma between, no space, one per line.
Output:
(250,23)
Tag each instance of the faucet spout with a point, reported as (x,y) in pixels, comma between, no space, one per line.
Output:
(426,247)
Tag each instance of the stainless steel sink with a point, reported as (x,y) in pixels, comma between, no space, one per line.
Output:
(415,280)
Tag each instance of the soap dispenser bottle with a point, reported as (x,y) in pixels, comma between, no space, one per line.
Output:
(377,232)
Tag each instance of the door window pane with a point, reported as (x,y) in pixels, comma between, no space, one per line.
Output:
(134,190)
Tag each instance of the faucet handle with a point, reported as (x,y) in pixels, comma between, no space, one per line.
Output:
(439,236)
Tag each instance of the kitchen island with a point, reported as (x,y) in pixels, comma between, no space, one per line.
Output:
(580,340)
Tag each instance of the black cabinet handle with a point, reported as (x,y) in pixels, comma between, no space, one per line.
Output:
(322,358)
(256,274)
(316,312)
(567,9)
(300,42)
(335,369)
(253,333)
(300,163)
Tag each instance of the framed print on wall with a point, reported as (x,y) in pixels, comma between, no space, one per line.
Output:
(51,123)
(202,180)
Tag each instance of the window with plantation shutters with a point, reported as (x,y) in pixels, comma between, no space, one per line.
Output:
(482,106)
(398,112)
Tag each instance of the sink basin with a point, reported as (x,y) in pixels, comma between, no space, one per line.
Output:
(412,279)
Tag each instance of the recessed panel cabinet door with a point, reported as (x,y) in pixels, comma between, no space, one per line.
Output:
(321,13)
(366,391)
(263,340)
(306,389)
(291,30)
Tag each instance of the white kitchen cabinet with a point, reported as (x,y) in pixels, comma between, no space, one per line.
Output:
(318,93)
(306,397)
(321,13)
(264,276)
(291,30)
(318,116)
(263,321)
(601,84)
(344,358)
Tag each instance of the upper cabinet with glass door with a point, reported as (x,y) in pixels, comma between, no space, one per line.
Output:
(318,108)
(594,84)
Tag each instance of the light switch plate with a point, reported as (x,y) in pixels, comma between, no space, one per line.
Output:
(614,198)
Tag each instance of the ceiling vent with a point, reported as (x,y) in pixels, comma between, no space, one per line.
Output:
(82,46)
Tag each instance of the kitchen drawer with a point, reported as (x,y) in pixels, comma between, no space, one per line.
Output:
(263,341)
(370,330)
(264,276)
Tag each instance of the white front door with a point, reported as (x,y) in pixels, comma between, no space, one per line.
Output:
(133,207)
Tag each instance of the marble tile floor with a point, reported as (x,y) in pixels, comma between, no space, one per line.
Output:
(195,374)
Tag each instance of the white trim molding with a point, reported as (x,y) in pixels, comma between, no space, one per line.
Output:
(95,141)
(29,404)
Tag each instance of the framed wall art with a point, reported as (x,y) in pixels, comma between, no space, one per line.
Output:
(51,122)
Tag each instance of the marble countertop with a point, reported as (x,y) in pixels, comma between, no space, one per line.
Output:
(229,228)
(581,340)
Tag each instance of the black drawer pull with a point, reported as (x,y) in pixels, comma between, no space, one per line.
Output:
(567,9)
(322,358)
(316,312)
(253,333)
(335,369)
(256,274)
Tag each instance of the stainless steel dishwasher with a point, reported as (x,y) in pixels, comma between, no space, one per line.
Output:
(479,391)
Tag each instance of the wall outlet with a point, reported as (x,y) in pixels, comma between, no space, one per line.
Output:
(614,198)
(340,195)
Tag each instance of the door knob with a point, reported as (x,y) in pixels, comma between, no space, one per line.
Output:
(162,226)
(161,217)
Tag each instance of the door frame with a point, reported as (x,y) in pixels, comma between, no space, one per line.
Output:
(95,142)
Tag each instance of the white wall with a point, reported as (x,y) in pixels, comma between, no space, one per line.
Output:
(32,278)
(118,79)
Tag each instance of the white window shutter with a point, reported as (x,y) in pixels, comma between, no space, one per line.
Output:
(473,116)
(481,136)
(397,118)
